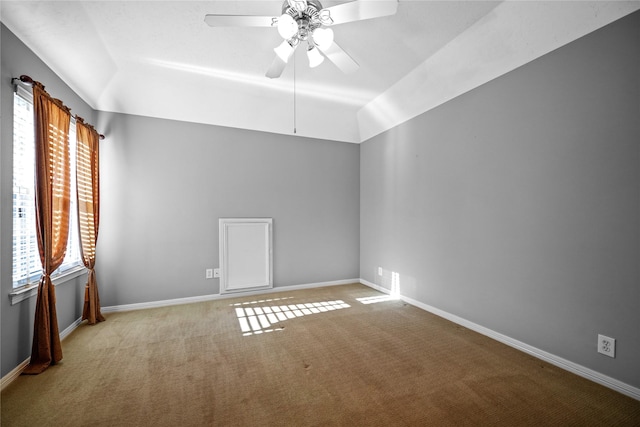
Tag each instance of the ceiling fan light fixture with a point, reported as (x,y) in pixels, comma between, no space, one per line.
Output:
(284,51)
(323,37)
(287,26)
(315,57)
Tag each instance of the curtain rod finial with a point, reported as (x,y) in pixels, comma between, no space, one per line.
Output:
(26,79)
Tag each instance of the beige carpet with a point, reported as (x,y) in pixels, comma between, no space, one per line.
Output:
(334,360)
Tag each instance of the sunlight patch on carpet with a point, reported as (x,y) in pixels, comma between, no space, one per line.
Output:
(377,298)
(264,319)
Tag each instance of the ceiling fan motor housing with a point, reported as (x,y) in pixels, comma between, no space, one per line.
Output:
(308,20)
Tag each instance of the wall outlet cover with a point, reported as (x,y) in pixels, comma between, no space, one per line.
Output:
(606,346)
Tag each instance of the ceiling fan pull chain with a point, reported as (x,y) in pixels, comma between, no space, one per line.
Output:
(294,94)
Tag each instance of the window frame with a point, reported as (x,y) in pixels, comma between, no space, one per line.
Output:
(26,286)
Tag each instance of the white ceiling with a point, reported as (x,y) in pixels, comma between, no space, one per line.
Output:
(159,58)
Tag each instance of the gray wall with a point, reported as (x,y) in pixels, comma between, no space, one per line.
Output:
(17,320)
(164,184)
(516,206)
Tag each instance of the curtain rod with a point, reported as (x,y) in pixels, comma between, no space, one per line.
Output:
(28,80)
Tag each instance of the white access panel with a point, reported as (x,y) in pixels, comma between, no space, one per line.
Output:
(245,254)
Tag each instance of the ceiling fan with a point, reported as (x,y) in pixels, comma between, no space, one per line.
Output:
(307,21)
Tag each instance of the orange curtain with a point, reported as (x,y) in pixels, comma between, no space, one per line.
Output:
(52,220)
(88,189)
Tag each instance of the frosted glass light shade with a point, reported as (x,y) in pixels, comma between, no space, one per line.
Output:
(315,57)
(323,37)
(287,26)
(284,51)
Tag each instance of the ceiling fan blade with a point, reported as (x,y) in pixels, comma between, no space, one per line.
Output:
(240,21)
(341,58)
(362,9)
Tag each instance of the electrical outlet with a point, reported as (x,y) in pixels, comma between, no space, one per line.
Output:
(606,346)
(216,273)
(208,273)
(379,271)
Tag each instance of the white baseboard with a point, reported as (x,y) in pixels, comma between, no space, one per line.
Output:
(211,297)
(376,287)
(156,304)
(567,365)
(15,373)
(70,328)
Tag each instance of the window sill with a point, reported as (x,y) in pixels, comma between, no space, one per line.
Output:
(31,290)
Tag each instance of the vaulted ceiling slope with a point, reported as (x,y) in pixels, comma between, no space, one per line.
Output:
(160,59)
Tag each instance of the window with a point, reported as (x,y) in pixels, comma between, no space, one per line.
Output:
(26,259)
